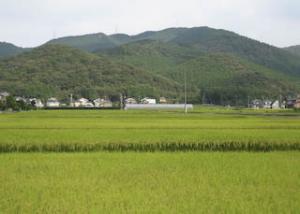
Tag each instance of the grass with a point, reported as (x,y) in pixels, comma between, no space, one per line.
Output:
(214,129)
(237,182)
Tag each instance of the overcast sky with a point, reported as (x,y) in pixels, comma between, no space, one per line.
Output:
(30,23)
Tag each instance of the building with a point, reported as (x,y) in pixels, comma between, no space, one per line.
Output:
(52,103)
(267,104)
(275,105)
(297,104)
(103,103)
(256,104)
(163,100)
(3,95)
(147,100)
(37,103)
(130,100)
(290,103)
(83,102)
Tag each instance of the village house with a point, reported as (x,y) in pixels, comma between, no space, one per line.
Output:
(256,104)
(103,103)
(163,100)
(275,105)
(3,95)
(37,103)
(83,102)
(267,104)
(52,103)
(297,104)
(147,100)
(130,100)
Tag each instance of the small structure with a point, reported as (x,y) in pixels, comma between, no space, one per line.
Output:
(103,103)
(275,105)
(83,102)
(163,100)
(267,104)
(52,103)
(130,100)
(158,106)
(37,103)
(147,100)
(256,104)
(297,104)
(3,95)
(290,103)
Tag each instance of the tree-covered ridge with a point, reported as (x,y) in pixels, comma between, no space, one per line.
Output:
(294,49)
(7,49)
(55,70)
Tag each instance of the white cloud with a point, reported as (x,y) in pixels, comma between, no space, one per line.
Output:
(33,22)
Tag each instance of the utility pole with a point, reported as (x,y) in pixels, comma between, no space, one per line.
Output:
(185,95)
(71,100)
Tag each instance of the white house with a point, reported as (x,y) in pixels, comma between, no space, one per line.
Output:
(267,104)
(52,102)
(103,103)
(256,104)
(37,103)
(276,105)
(130,100)
(147,100)
(83,102)
(3,95)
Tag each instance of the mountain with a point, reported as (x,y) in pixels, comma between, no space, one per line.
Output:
(221,67)
(214,75)
(8,49)
(56,70)
(294,49)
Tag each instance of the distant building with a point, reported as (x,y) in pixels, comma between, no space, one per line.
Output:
(103,103)
(52,102)
(3,95)
(256,104)
(83,102)
(290,103)
(297,104)
(38,103)
(147,100)
(275,105)
(163,100)
(267,104)
(130,100)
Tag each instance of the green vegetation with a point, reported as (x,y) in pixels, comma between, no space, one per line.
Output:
(10,103)
(55,70)
(7,50)
(222,67)
(294,49)
(114,130)
(150,183)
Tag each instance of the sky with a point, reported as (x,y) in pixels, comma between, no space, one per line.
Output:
(29,23)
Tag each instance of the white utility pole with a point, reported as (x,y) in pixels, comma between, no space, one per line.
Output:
(185,95)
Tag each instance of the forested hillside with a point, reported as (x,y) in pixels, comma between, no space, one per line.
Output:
(55,70)
(7,50)
(221,67)
(294,49)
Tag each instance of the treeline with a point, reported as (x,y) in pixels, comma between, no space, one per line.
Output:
(10,103)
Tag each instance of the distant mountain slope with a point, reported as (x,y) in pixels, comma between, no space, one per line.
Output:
(154,56)
(8,49)
(214,41)
(202,39)
(215,74)
(55,70)
(294,49)
(226,79)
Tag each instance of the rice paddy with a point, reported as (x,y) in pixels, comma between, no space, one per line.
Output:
(201,130)
(237,182)
(150,161)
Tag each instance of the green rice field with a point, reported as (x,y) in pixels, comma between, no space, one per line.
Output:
(212,160)
(231,182)
(113,130)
